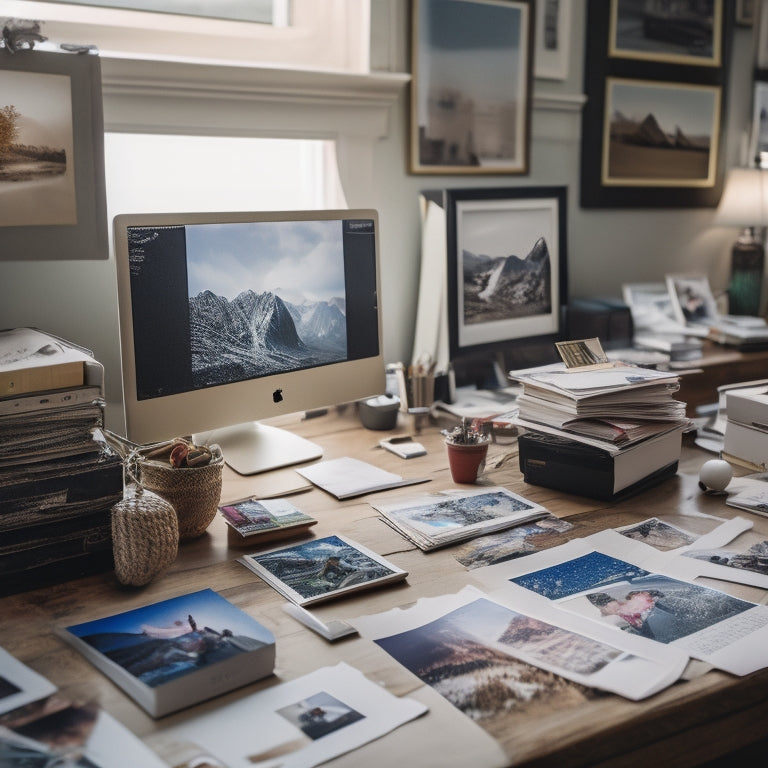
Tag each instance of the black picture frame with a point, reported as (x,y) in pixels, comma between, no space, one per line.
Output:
(652,131)
(471,114)
(62,215)
(486,227)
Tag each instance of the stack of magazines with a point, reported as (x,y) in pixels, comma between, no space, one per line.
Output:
(434,520)
(599,431)
(58,478)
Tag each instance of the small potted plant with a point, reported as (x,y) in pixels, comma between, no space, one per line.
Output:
(467,447)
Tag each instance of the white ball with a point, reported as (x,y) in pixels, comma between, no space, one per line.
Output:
(715,474)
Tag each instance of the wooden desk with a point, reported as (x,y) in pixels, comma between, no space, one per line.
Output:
(687,724)
(720,365)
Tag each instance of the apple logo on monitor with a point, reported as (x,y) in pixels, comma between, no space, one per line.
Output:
(277,396)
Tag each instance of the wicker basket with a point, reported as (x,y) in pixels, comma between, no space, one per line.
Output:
(194,492)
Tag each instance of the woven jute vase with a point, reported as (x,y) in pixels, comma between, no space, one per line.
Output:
(194,492)
(145,536)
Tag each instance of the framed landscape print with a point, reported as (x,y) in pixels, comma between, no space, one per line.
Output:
(470,113)
(52,198)
(656,95)
(640,152)
(683,32)
(507,265)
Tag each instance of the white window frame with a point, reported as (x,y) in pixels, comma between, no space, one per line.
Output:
(331,35)
(146,95)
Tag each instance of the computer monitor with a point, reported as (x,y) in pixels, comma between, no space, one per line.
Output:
(227,319)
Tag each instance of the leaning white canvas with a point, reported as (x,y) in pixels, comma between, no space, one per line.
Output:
(296,724)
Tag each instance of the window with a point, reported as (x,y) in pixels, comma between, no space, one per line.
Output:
(320,34)
(160,173)
(260,11)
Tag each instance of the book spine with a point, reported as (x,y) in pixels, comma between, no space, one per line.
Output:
(42,378)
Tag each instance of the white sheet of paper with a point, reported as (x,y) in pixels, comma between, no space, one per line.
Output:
(346,477)
(270,728)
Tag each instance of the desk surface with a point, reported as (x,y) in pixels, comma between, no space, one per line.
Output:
(686,724)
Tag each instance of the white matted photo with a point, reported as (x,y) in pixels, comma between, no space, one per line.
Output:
(37,180)
(692,299)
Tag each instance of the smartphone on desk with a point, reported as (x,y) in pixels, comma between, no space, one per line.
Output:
(405,447)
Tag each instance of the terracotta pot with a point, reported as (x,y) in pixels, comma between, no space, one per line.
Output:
(466,461)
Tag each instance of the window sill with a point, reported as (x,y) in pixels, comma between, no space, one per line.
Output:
(171,97)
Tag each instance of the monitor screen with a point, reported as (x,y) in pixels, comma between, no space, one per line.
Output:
(227,319)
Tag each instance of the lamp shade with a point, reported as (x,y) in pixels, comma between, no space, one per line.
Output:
(745,200)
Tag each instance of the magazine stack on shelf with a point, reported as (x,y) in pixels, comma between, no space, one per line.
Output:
(746,427)
(58,478)
(599,431)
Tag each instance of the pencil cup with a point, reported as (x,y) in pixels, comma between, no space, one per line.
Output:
(421,391)
(466,461)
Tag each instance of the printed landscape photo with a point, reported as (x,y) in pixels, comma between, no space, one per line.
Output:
(320,714)
(37,184)
(660,133)
(465,656)
(500,287)
(321,567)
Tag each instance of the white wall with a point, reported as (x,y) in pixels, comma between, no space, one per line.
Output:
(606,247)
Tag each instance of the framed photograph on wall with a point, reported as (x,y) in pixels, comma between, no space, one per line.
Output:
(472,65)
(553,34)
(507,265)
(52,197)
(651,125)
(673,145)
(683,32)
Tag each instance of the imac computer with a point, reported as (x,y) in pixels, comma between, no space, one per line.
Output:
(230,319)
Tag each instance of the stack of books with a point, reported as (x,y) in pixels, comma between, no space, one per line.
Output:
(58,478)
(746,426)
(601,432)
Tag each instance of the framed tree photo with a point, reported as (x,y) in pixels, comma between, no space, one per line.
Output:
(472,66)
(52,197)
(651,126)
(507,266)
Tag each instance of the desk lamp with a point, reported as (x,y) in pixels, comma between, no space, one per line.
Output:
(745,204)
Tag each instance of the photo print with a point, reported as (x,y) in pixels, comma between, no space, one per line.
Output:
(660,134)
(683,32)
(507,265)
(467,657)
(321,569)
(522,540)
(37,179)
(658,534)
(319,714)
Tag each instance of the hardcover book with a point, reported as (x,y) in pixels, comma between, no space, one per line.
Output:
(34,361)
(263,520)
(178,652)
(321,569)
(574,467)
(748,405)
